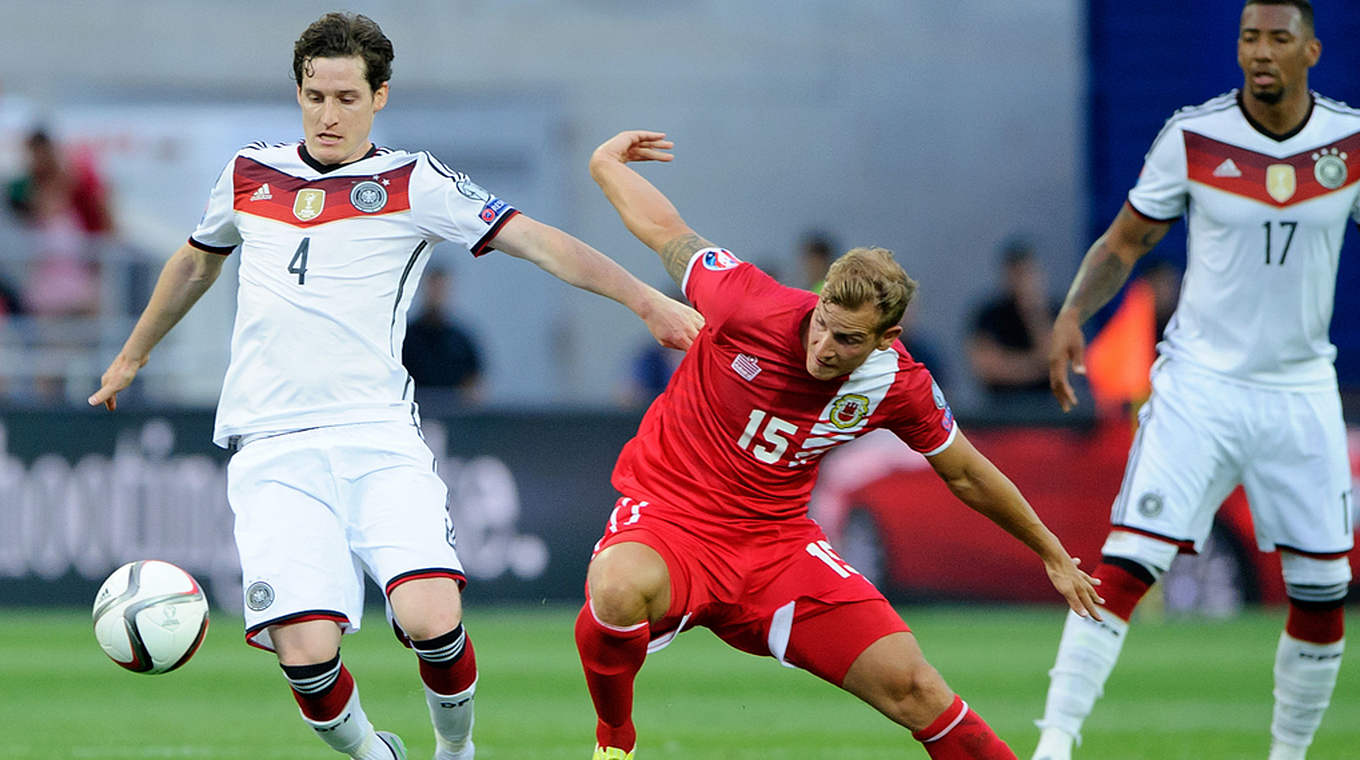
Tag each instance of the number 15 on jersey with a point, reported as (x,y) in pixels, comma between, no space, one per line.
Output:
(772,430)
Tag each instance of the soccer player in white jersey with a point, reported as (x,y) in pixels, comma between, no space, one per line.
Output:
(330,477)
(1244,390)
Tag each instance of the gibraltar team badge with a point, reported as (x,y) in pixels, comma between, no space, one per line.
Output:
(309,203)
(849,410)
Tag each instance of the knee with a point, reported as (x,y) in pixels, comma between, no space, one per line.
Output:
(913,695)
(426,608)
(429,627)
(628,584)
(617,599)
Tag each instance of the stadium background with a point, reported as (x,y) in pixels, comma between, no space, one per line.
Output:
(935,129)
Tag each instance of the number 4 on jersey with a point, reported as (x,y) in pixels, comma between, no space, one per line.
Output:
(298,265)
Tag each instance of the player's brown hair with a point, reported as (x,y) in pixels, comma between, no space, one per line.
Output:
(344,35)
(1305,9)
(870,275)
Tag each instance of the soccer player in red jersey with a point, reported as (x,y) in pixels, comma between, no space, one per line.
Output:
(712,527)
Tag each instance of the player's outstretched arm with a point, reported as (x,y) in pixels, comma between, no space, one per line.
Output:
(672,323)
(184,278)
(979,484)
(1103,271)
(646,211)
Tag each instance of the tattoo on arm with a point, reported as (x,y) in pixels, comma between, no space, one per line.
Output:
(1100,277)
(675,255)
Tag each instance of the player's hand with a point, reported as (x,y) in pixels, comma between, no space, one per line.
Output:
(1068,347)
(634,145)
(673,324)
(118,376)
(1078,588)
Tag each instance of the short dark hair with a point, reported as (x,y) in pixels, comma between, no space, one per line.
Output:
(1305,9)
(344,35)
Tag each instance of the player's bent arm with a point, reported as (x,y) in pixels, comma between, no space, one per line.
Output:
(563,256)
(186,276)
(1107,263)
(645,210)
(978,483)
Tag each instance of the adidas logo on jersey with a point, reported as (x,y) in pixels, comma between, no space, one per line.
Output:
(1227,169)
(262,194)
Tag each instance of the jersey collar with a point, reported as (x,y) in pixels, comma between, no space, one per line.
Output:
(327,168)
(1259,127)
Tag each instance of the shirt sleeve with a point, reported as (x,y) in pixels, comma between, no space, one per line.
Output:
(448,205)
(923,419)
(718,283)
(1162,189)
(216,231)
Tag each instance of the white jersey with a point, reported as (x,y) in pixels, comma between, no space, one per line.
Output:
(330,258)
(1267,215)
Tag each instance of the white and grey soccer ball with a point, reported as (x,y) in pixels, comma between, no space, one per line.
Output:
(150,616)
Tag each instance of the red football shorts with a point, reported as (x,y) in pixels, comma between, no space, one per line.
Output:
(773,588)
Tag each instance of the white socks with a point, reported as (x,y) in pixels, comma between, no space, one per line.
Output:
(452,719)
(351,733)
(1305,675)
(1086,656)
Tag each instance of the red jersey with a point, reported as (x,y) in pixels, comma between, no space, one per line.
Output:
(742,426)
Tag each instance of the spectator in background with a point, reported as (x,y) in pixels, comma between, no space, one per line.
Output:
(922,349)
(1008,341)
(441,355)
(1119,357)
(63,202)
(815,253)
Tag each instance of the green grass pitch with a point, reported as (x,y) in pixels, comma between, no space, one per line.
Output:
(1184,689)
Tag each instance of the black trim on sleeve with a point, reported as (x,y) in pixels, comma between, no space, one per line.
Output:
(220,250)
(1152,219)
(484,245)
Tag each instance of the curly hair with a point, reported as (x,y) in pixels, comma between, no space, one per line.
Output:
(345,35)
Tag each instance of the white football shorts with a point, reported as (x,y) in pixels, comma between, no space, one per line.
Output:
(1199,436)
(316,509)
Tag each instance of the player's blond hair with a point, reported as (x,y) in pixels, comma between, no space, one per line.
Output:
(870,275)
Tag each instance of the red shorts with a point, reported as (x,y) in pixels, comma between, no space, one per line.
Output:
(773,588)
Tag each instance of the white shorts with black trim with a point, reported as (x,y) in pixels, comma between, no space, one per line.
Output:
(1200,436)
(316,509)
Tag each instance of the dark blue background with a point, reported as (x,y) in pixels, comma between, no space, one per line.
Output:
(1150,58)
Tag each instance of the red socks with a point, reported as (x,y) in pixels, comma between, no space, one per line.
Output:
(1121,589)
(447,663)
(321,690)
(1316,623)
(611,658)
(961,734)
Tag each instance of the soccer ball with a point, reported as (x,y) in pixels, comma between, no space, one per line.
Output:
(150,616)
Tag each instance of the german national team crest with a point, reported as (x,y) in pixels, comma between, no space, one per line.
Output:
(1329,168)
(1150,504)
(259,596)
(368,196)
(309,203)
(1281,182)
(849,410)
